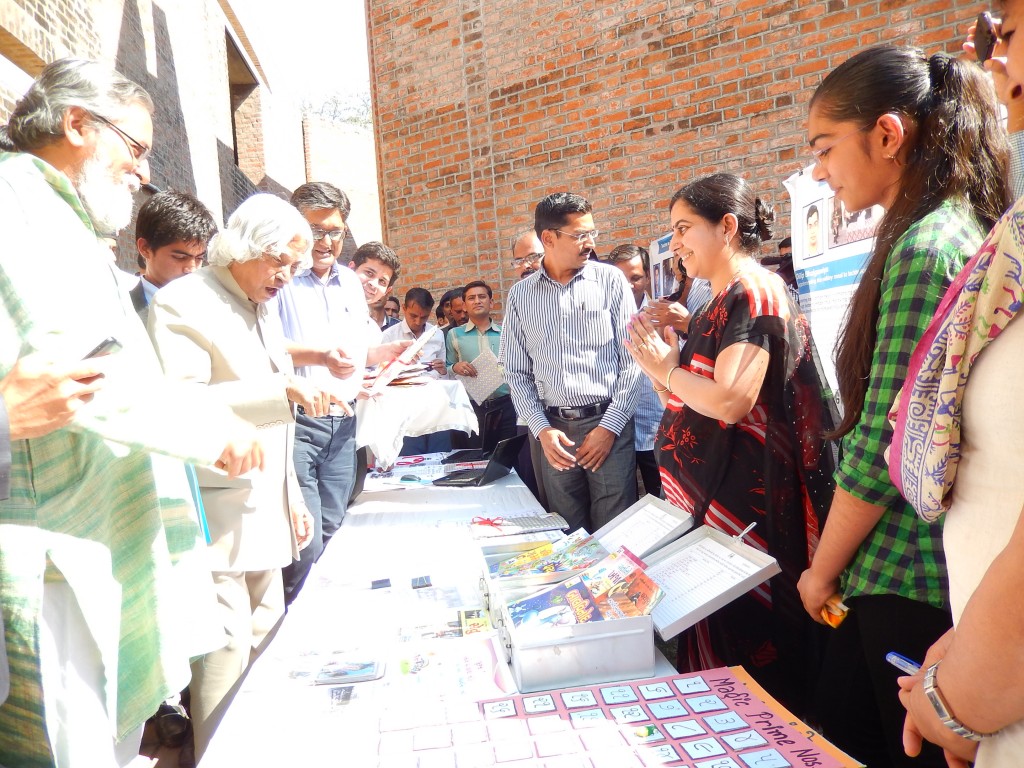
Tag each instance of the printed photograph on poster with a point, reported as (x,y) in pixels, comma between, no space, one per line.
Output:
(812,228)
(845,227)
(655,278)
(831,246)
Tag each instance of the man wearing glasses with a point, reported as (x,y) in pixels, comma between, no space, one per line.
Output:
(570,377)
(172,233)
(527,252)
(326,322)
(100,536)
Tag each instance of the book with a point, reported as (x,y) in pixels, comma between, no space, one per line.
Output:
(612,570)
(635,595)
(578,551)
(620,587)
(568,602)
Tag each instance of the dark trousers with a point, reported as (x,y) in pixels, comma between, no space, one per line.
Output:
(325,462)
(497,418)
(856,702)
(590,499)
(535,455)
(649,472)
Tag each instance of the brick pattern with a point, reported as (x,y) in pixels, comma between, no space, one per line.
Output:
(484,106)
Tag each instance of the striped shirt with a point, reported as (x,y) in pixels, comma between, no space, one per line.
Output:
(562,345)
(463,344)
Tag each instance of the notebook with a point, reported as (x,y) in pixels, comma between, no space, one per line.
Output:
(499,465)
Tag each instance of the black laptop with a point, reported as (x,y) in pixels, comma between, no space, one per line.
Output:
(499,465)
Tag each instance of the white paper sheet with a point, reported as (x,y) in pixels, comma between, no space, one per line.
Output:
(489,376)
(697,576)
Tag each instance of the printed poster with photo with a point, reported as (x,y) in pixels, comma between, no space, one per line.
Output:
(663,276)
(831,247)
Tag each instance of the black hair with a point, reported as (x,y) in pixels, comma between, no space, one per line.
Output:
(420,296)
(812,209)
(628,252)
(956,147)
(551,212)
(321,196)
(477,284)
(174,217)
(786,242)
(374,249)
(712,197)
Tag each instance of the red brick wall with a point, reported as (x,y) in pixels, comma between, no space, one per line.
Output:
(482,108)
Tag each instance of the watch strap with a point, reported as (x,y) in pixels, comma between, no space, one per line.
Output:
(931,690)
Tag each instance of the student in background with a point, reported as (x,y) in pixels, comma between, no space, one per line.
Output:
(878,128)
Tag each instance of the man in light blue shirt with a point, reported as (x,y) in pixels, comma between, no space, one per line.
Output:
(326,320)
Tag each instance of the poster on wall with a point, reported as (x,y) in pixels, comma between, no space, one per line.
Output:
(663,275)
(831,247)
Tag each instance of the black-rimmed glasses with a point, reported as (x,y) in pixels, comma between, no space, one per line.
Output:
(136,148)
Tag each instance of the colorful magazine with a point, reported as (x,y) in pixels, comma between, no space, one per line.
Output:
(580,550)
(636,595)
(605,574)
(568,602)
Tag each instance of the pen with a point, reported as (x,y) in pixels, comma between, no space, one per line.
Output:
(902,663)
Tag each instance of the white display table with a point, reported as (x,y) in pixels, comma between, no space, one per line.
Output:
(399,535)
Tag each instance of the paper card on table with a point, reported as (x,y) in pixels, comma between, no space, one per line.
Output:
(489,376)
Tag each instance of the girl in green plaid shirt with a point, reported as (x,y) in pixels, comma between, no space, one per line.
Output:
(921,137)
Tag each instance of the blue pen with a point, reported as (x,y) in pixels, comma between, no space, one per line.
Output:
(902,663)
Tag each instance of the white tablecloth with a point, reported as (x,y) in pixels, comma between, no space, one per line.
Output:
(399,412)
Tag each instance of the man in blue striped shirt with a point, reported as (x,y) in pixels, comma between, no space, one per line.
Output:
(570,377)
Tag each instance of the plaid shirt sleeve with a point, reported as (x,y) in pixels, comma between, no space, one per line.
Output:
(900,555)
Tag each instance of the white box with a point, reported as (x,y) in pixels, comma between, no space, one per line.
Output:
(646,526)
(719,568)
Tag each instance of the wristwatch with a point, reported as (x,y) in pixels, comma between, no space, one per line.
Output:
(931,690)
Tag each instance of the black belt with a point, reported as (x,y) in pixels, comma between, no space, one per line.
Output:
(576,414)
(338,414)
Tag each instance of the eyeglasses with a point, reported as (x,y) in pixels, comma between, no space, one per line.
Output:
(137,149)
(580,237)
(820,154)
(320,234)
(289,269)
(530,258)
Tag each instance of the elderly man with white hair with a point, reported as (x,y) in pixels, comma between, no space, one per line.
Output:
(212,328)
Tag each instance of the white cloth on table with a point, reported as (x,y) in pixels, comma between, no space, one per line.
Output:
(382,422)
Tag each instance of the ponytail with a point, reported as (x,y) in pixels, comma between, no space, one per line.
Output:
(956,148)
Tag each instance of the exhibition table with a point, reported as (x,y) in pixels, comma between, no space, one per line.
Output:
(401,534)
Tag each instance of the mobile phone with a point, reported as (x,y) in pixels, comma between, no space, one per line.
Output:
(105,347)
(985,36)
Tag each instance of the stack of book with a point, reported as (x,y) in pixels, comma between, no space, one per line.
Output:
(614,587)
